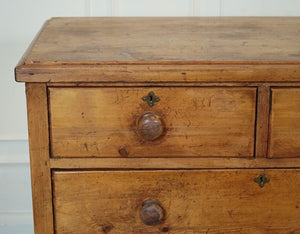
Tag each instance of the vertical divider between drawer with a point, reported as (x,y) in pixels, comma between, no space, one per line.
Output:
(262,121)
(269,123)
(49,121)
(53,200)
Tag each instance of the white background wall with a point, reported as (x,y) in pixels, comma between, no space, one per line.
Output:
(19,22)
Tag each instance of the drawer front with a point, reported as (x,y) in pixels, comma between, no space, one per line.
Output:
(221,201)
(285,123)
(108,122)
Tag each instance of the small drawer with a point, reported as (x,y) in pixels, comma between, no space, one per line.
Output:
(195,201)
(285,123)
(152,122)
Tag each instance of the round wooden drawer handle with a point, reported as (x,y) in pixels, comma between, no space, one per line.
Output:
(151,212)
(150,126)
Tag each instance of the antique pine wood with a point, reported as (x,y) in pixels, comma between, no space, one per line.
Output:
(178,84)
(183,73)
(227,39)
(39,157)
(93,122)
(229,90)
(285,123)
(262,121)
(194,201)
(175,163)
(120,49)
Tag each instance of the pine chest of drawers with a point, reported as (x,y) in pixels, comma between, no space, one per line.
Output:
(164,125)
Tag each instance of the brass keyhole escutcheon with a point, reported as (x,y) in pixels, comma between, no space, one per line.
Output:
(262,180)
(151,98)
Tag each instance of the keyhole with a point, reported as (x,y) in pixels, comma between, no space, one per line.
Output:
(151,98)
(261,179)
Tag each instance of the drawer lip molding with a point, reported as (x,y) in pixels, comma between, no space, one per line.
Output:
(193,200)
(173,163)
(177,84)
(98,122)
(124,74)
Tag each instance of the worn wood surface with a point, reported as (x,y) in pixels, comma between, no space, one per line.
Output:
(174,84)
(262,121)
(285,123)
(174,163)
(95,122)
(203,39)
(194,201)
(39,158)
(201,49)
(157,73)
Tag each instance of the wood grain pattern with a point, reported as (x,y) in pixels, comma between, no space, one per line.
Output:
(285,123)
(174,163)
(262,121)
(173,84)
(165,73)
(95,122)
(193,49)
(39,157)
(194,201)
(207,39)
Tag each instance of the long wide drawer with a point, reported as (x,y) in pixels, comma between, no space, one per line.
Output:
(185,201)
(152,122)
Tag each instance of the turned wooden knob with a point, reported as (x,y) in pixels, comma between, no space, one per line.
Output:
(150,126)
(151,212)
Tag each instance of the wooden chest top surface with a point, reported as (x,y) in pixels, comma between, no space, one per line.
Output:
(164,49)
(181,39)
